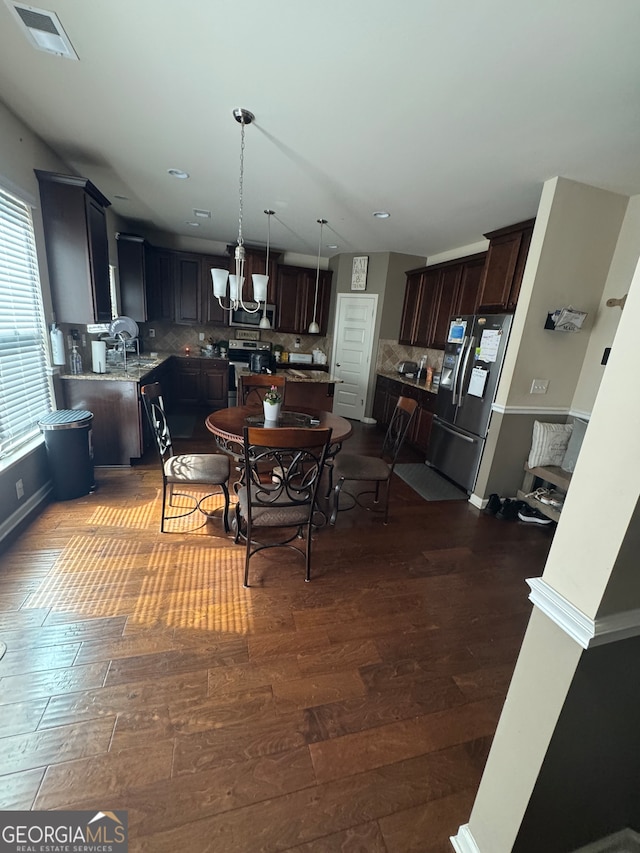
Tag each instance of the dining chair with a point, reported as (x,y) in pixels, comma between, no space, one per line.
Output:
(186,469)
(282,471)
(374,469)
(254,387)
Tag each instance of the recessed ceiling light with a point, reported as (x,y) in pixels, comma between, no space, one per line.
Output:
(193,224)
(178,173)
(381,214)
(201,214)
(332,246)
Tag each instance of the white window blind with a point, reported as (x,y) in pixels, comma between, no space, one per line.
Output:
(25,386)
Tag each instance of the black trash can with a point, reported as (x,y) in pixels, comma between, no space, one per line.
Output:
(67,438)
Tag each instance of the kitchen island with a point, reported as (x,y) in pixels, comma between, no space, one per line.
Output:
(119,425)
(307,388)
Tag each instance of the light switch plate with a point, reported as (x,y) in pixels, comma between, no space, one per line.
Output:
(539,386)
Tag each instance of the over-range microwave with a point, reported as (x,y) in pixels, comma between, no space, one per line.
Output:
(251,319)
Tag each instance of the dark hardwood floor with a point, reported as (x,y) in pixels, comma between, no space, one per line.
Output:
(354,713)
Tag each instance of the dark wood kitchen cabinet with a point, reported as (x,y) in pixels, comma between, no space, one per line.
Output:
(193,289)
(160,280)
(384,402)
(188,288)
(133,273)
(77,248)
(504,267)
(433,294)
(201,382)
(296,297)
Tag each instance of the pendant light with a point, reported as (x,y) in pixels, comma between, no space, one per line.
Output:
(219,276)
(260,282)
(314,328)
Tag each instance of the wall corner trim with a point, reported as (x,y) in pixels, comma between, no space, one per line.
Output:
(585,631)
(464,842)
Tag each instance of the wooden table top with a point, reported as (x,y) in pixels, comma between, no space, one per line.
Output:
(228,424)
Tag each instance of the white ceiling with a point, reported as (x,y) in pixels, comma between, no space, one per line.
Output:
(450,114)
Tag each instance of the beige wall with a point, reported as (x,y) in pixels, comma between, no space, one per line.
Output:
(581,560)
(606,319)
(574,243)
(574,239)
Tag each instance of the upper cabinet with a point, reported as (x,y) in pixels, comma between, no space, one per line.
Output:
(433,294)
(75,231)
(504,267)
(296,299)
(133,272)
(160,278)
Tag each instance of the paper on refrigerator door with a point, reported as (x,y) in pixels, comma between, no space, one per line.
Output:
(489,345)
(477,382)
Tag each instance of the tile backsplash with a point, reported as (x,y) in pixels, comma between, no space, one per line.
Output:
(391,353)
(171,337)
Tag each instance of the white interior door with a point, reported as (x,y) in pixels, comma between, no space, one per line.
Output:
(352,345)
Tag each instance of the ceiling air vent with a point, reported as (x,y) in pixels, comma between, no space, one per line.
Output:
(43,29)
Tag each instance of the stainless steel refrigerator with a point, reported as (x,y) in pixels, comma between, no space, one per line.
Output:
(471,368)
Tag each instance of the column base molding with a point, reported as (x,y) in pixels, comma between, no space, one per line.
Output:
(585,631)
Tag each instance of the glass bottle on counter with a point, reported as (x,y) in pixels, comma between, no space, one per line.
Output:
(75,359)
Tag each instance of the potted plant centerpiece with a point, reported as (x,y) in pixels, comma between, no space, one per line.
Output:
(271,404)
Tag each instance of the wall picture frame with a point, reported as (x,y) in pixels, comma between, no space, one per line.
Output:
(359,272)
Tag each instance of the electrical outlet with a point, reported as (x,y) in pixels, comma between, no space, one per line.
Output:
(152,333)
(200,336)
(539,386)
(84,340)
(19,489)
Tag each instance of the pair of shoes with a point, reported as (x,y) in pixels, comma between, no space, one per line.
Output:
(494,504)
(534,516)
(509,510)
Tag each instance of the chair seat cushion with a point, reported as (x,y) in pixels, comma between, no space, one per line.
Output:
(355,466)
(200,468)
(273,515)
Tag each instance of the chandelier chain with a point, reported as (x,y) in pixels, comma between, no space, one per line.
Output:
(241,184)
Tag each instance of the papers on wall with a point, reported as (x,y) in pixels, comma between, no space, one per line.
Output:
(489,343)
(477,381)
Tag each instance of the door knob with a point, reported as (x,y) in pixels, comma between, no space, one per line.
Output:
(338,364)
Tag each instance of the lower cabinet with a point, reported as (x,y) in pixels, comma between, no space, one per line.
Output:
(384,402)
(201,382)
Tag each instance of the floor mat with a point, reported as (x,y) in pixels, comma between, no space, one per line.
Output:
(181,426)
(428,483)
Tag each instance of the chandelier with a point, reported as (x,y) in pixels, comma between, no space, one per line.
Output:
(236,281)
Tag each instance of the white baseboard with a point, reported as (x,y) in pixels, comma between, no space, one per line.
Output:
(24,510)
(464,842)
(477,501)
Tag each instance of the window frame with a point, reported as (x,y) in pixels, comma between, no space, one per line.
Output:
(26,387)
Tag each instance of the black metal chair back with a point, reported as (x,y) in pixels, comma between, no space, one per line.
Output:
(282,472)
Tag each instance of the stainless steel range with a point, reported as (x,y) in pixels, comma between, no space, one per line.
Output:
(240,352)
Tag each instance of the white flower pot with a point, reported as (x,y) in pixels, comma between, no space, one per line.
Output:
(271,412)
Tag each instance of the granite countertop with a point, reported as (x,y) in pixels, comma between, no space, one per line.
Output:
(293,375)
(406,380)
(136,369)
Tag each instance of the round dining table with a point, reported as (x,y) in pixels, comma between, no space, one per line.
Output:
(227,425)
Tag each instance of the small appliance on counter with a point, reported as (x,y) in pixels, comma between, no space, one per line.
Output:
(408,368)
(300,358)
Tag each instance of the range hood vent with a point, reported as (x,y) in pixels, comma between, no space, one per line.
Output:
(43,29)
